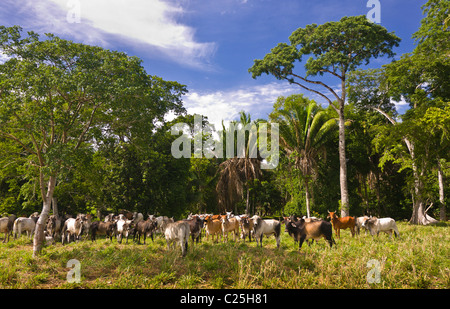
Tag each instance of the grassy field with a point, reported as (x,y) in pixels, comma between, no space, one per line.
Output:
(419,259)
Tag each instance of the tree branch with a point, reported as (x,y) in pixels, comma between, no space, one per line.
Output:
(319,83)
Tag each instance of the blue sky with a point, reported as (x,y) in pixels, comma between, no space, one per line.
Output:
(204,44)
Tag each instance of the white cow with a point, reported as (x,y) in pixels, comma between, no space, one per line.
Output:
(178,232)
(266,227)
(123,228)
(23,224)
(376,226)
(359,224)
(73,227)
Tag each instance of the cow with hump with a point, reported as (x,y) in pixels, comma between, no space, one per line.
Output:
(315,230)
(376,225)
(266,227)
(178,232)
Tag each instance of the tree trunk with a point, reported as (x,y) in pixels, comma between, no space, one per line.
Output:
(47,196)
(307,198)
(55,206)
(343,163)
(419,215)
(442,212)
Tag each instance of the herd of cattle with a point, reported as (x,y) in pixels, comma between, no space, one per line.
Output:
(129,224)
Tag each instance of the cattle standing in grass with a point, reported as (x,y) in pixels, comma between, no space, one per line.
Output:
(54,226)
(386,225)
(230,225)
(23,224)
(178,232)
(195,225)
(6,227)
(213,227)
(123,228)
(73,227)
(359,224)
(342,223)
(315,230)
(266,227)
(246,228)
(145,228)
(103,228)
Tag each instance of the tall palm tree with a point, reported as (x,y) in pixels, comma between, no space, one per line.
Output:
(304,130)
(238,171)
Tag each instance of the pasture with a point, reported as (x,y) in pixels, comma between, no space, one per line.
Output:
(419,259)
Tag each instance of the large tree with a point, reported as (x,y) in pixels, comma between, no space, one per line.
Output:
(59,98)
(334,49)
(421,79)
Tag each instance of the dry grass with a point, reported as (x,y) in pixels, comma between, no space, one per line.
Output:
(419,259)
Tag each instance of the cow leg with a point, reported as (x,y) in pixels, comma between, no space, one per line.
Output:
(300,243)
(329,239)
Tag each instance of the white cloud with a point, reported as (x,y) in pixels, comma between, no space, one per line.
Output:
(152,22)
(3,57)
(402,106)
(226,105)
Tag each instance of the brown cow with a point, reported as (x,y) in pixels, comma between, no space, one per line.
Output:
(213,227)
(342,223)
(230,225)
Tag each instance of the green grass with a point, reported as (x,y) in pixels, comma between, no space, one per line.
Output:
(419,259)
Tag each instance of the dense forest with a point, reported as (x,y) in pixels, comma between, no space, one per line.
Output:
(85,127)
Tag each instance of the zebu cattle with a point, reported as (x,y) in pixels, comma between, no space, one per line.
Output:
(145,228)
(302,230)
(266,227)
(195,225)
(103,228)
(137,217)
(359,224)
(54,226)
(342,223)
(162,222)
(178,232)
(246,227)
(123,228)
(213,227)
(6,227)
(109,218)
(73,227)
(23,224)
(230,225)
(386,225)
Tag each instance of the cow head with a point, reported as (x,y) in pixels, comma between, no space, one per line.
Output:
(370,222)
(332,215)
